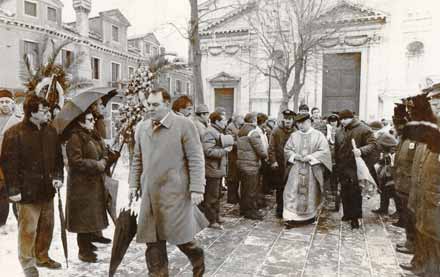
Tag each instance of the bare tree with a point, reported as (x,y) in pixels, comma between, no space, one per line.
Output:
(195,54)
(195,57)
(287,32)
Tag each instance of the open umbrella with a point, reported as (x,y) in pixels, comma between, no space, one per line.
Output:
(79,104)
(126,227)
(63,226)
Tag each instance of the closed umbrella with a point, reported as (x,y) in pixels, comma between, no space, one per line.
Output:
(126,228)
(79,104)
(63,227)
(366,180)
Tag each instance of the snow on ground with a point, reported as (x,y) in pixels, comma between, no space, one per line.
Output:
(244,248)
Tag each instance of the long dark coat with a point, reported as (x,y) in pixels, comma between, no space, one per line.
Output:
(168,164)
(416,167)
(365,141)
(428,212)
(278,140)
(86,197)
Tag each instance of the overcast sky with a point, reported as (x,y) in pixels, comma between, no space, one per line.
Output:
(146,16)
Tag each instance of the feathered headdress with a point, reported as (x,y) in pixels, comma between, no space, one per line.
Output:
(423,126)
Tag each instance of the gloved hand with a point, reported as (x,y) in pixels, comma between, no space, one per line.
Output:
(15,198)
(101,165)
(57,184)
(132,194)
(196,197)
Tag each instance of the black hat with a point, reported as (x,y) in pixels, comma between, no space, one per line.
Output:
(302,117)
(333,117)
(303,107)
(346,114)
(288,113)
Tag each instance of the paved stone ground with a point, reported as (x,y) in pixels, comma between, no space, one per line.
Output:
(252,248)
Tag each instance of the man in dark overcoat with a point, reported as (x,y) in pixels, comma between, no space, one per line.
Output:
(351,192)
(278,139)
(168,169)
(402,180)
(232,178)
(33,166)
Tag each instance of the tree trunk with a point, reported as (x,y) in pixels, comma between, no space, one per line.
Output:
(296,101)
(196,53)
(284,101)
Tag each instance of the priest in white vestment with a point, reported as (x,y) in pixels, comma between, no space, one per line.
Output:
(308,155)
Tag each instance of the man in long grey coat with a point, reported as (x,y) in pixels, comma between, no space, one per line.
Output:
(169,170)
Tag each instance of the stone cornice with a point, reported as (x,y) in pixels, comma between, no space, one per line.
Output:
(65,35)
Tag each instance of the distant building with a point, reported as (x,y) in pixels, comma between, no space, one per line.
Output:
(109,56)
(385,50)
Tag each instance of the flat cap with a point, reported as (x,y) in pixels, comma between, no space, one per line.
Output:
(288,113)
(202,108)
(376,125)
(387,140)
(302,117)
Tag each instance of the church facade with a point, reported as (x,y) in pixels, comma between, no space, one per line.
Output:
(382,52)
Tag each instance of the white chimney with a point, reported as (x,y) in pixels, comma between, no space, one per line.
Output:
(82,9)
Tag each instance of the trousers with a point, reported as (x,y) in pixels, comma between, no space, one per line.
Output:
(351,196)
(211,202)
(249,192)
(157,258)
(4,206)
(35,229)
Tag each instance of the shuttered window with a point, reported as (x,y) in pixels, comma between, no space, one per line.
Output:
(51,14)
(30,8)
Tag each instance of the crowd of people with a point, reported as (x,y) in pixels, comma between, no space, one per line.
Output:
(185,158)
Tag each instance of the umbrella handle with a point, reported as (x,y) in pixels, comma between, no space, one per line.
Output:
(353,142)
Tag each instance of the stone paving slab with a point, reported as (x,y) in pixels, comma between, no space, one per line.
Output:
(252,248)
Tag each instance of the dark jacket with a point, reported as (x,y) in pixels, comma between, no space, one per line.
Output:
(31,159)
(232,169)
(215,155)
(403,164)
(232,130)
(277,141)
(86,197)
(365,141)
(250,150)
(320,125)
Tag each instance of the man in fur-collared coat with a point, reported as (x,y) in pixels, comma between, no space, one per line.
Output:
(169,169)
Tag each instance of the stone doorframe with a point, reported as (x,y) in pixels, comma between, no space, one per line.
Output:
(223,80)
(372,41)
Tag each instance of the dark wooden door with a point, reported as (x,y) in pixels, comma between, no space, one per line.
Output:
(224,97)
(341,82)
